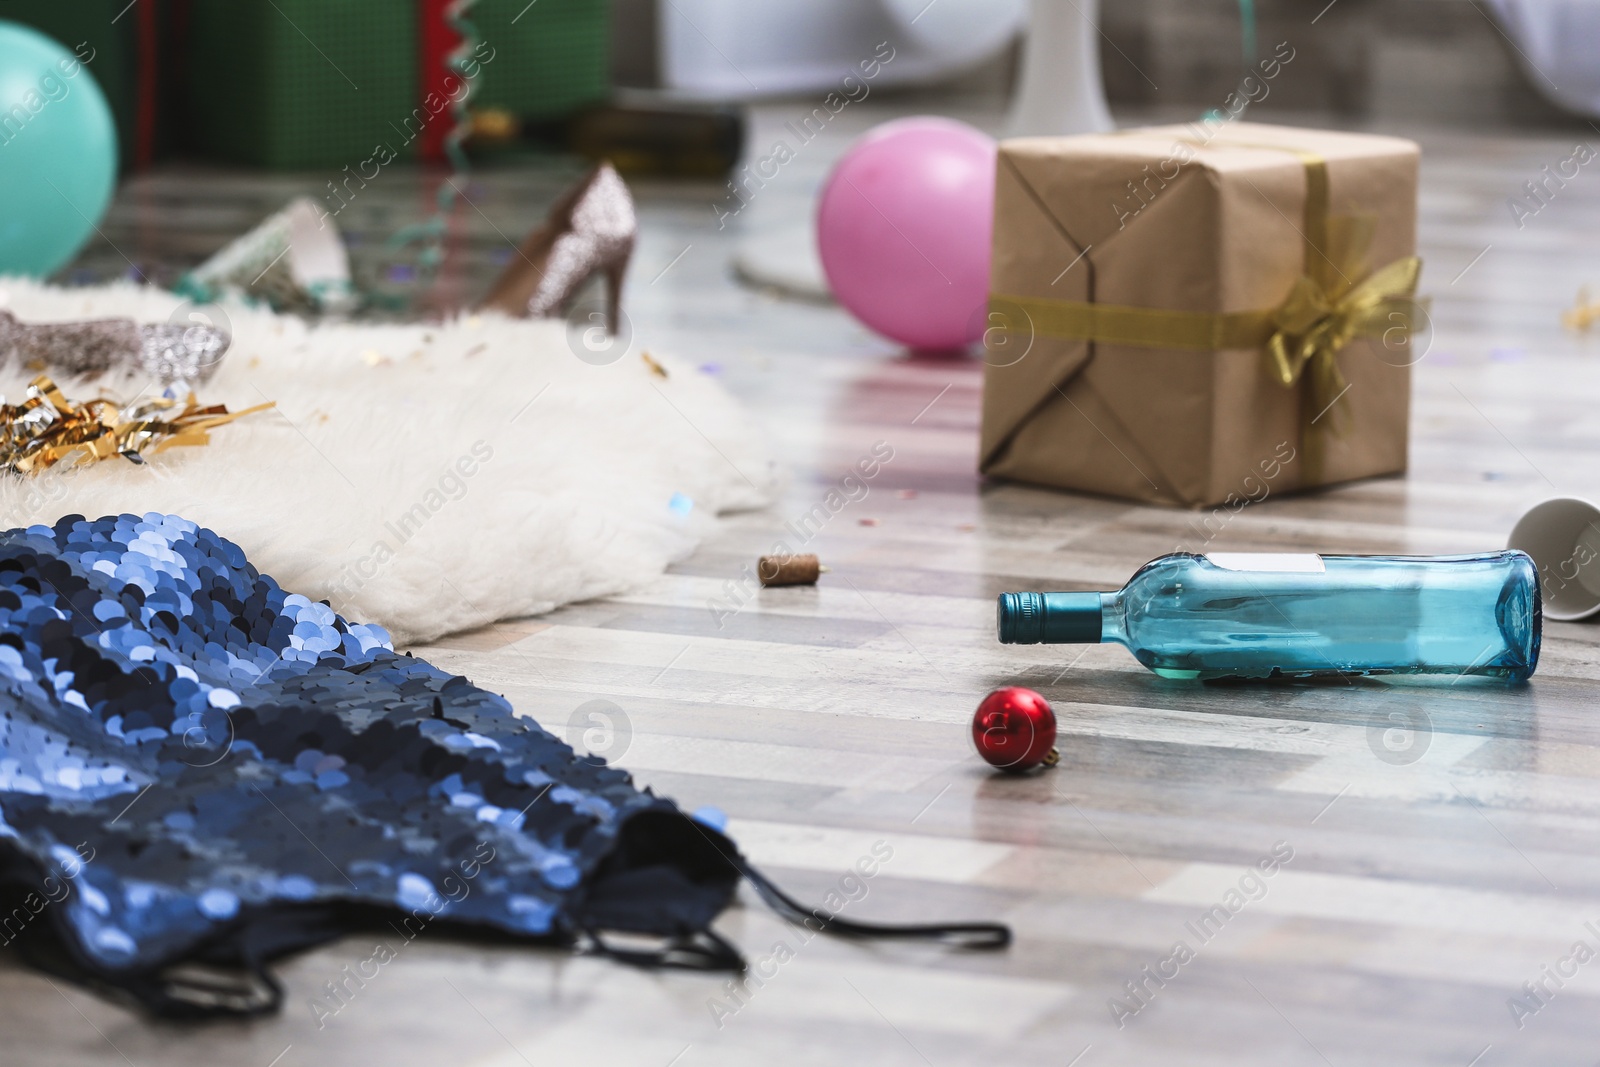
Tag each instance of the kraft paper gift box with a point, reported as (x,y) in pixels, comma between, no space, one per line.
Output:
(1185,314)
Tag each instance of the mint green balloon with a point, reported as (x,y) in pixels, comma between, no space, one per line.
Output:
(58,153)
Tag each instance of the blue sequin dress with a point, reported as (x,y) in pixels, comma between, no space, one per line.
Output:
(197,767)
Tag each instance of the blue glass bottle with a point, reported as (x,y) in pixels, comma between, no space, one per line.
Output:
(1240,615)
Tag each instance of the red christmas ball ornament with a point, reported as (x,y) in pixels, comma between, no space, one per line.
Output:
(1015,730)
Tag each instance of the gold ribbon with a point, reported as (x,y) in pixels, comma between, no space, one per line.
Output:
(1324,311)
(47,428)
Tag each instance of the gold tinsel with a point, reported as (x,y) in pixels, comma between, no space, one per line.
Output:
(47,428)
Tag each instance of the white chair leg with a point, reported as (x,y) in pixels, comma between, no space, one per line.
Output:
(1060,91)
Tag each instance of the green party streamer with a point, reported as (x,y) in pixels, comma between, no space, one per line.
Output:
(429,233)
(1247,31)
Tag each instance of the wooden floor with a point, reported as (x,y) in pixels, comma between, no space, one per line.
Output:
(1430,874)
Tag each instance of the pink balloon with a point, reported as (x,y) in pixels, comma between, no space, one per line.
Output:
(904,227)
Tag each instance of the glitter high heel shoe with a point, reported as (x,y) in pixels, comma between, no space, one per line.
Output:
(590,229)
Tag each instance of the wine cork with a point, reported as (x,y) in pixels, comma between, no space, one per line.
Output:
(788,570)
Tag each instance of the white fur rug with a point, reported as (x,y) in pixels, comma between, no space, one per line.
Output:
(425,478)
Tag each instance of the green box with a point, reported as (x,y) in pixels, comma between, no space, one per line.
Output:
(300,83)
(321,83)
(551,57)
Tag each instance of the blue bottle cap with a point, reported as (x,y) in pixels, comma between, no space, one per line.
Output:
(1048,618)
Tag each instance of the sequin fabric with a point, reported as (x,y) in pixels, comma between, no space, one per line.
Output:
(205,760)
(168,352)
(601,232)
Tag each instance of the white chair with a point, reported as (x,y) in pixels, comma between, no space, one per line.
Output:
(1558,47)
(747,49)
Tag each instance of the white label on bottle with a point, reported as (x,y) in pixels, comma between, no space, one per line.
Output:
(1282,562)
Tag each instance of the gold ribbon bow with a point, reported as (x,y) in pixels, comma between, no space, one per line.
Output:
(1317,321)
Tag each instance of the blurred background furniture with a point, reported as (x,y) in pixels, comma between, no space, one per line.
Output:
(291,83)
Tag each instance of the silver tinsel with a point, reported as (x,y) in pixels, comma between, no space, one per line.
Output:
(168,352)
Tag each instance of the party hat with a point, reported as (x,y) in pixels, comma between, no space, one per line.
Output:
(294,261)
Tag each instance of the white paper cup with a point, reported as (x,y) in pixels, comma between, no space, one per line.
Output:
(1563,537)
